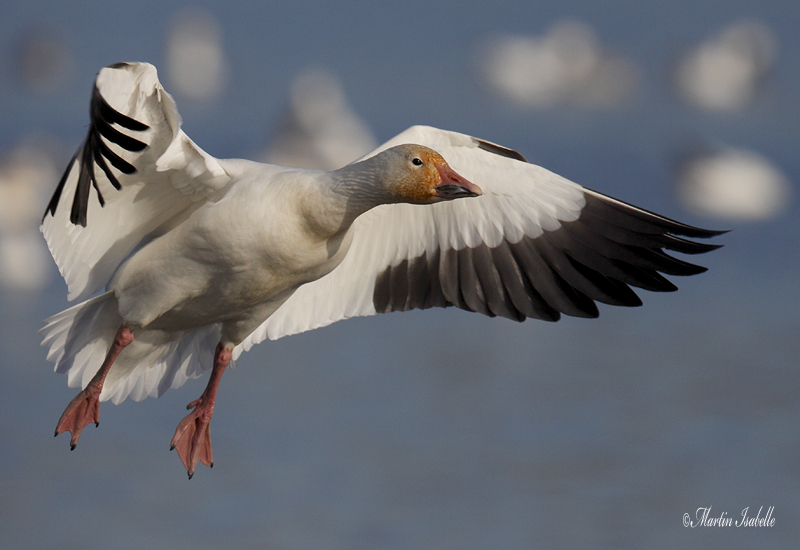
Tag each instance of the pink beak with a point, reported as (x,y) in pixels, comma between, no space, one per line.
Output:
(454,186)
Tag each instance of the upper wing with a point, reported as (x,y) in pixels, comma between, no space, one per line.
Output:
(533,245)
(135,172)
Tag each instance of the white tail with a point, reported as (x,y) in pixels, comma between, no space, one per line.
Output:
(78,339)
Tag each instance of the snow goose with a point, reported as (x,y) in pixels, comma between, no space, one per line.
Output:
(202,258)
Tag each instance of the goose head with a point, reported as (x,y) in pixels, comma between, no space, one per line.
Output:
(419,175)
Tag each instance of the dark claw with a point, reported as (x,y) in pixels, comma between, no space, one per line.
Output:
(172,447)
(190,474)
(72,446)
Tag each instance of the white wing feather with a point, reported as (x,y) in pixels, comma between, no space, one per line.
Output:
(172,175)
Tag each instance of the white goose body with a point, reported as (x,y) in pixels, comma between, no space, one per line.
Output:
(234,260)
(195,252)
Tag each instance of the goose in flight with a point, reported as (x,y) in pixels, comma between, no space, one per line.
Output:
(182,261)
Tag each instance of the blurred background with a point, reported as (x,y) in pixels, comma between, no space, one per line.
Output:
(436,429)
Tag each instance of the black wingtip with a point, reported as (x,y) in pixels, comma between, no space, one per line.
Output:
(96,152)
(499,150)
(685,246)
(638,219)
(700,233)
(101,108)
(705,248)
(53,204)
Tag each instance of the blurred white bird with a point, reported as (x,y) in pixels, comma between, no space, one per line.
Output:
(320,131)
(202,258)
(733,184)
(196,63)
(25,174)
(725,72)
(565,66)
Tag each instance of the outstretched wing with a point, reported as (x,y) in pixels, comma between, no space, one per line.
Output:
(533,245)
(135,172)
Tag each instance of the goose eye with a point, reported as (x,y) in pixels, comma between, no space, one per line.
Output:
(416,161)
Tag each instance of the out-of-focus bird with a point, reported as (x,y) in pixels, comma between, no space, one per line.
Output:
(26,172)
(733,184)
(725,72)
(196,63)
(202,258)
(565,66)
(320,130)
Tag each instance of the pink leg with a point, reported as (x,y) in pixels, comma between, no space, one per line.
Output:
(85,407)
(192,438)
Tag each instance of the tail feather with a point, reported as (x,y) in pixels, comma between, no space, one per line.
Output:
(78,335)
(157,361)
(79,338)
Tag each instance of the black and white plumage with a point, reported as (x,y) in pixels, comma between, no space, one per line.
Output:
(533,245)
(95,152)
(193,251)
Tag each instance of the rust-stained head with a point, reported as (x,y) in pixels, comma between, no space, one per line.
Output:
(420,175)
